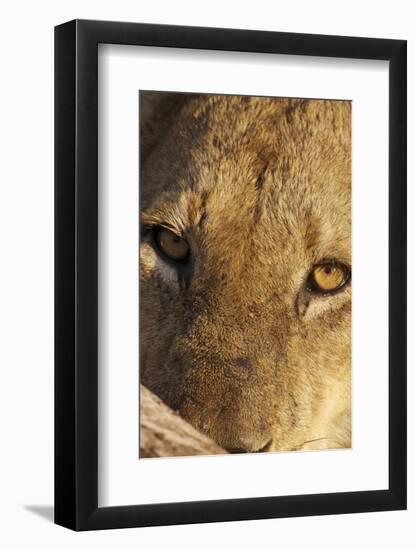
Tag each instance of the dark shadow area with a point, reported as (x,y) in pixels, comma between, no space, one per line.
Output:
(45,512)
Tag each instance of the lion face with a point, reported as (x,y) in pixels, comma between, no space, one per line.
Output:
(245,265)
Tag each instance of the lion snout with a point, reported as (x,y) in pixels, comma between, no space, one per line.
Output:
(227,416)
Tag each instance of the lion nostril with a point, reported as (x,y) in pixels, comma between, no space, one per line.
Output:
(242,362)
(265,448)
(235,451)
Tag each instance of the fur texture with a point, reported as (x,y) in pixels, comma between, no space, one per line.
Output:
(261,189)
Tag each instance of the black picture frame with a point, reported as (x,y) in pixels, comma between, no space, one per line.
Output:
(76,271)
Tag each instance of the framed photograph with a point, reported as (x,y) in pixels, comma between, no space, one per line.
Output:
(230,253)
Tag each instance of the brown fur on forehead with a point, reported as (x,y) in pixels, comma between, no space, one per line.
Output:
(256,160)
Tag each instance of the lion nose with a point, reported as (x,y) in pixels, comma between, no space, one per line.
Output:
(251,446)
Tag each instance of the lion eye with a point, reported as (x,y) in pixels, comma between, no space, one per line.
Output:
(328,277)
(171,245)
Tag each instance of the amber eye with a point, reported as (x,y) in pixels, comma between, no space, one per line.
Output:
(171,245)
(328,277)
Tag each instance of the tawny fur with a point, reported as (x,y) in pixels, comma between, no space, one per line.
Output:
(261,189)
